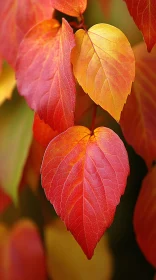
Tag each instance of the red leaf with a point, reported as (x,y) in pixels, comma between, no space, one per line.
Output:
(144,15)
(21,253)
(84,176)
(16,18)
(138,120)
(44,74)
(5,200)
(145,217)
(43,133)
(73,8)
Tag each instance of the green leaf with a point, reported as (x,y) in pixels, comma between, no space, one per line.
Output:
(15,139)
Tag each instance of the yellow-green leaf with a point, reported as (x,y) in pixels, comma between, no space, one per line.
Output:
(15,139)
(103,64)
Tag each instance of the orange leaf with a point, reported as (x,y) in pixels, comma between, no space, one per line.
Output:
(84,176)
(145,217)
(138,120)
(48,84)
(43,133)
(16,18)
(144,15)
(73,8)
(7,83)
(21,253)
(103,64)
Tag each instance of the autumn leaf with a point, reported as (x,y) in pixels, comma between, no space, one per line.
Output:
(7,83)
(83,176)
(145,217)
(15,139)
(138,120)
(44,74)
(75,266)
(21,253)
(144,15)
(43,133)
(103,64)
(5,200)
(73,8)
(16,18)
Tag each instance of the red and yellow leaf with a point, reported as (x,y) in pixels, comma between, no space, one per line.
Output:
(43,133)
(44,73)
(16,18)
(144,15)
(83,176)
(138,120)
(103,63)
(7,83)
(145,217)
(21,253)
(73,8)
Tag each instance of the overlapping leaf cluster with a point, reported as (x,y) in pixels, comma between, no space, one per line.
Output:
(84,171)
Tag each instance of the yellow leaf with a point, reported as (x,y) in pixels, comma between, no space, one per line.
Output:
(104,66)
(67,261)
(7,83)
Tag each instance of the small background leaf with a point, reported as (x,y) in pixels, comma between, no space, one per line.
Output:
(21,253)
(16,18)
(144,15)
(138,121)
(15,139)
(145,217)
(73,8)
(43,133)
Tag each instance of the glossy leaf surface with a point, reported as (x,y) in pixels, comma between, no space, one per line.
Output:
(83,176)
(73,8)
(145,217)
(43,133)
(7,83)
(138,120)
(44,74)
(15,139)
(21,253)
(144,15)
(16,18)
(103,63)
